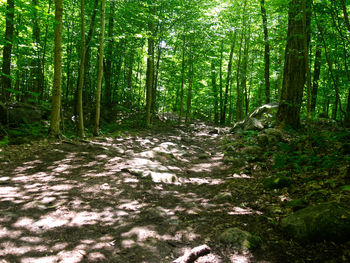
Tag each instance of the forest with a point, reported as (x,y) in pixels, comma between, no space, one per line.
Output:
(174,131)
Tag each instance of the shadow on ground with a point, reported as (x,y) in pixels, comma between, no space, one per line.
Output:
(145,198)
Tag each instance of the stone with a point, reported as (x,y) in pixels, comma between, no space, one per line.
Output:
(326,221)
(239,239)
(262,117)
(223,197)
(276,182)
(15,114)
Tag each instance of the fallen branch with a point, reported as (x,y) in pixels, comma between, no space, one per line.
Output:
(193,255)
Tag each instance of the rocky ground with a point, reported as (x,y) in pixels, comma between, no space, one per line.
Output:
(152,196)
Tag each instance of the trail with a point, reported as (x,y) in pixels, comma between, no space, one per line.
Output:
(147,197)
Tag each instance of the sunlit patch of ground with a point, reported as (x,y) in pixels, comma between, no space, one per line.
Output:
(134,199)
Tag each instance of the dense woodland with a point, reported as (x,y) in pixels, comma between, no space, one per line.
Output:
(214,60)
(171,130)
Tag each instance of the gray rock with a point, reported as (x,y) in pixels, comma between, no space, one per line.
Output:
(239,239)
(259,119)
(326,221)
(15,114)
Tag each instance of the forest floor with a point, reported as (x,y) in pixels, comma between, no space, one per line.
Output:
(145,196)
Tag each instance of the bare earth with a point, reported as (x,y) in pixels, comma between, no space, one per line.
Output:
(148,197)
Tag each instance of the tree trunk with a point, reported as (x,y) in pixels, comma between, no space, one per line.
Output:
(346,17)
(228,80)
(182,78)
(150,68)
(38,72)
(6,61)
(267,53)
(108,60)
(317,71)
(190,83)
(215,93)
(56,90)
(87,80)
(294,75)
(81,74)
(244,71)
(100,70)
(156,75)
(221,81)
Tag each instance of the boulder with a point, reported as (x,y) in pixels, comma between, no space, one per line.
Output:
(325,221)
(259,119)
(15,114)
(239,239)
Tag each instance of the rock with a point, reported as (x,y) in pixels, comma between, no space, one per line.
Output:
(326,221)
(274,132)
(253,150)
(153,213)
(223,197)
(236,162)
(276,181)
(239,239)
(263,139)
(259,119)
(15,114)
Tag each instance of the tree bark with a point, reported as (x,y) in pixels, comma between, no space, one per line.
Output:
(215,93)
(150,68)
(228,79)
(346,16)
(317,72)
(182,78)
(56,90)
(294,75)
(108,60)
(100,69)
(221,80)
(266,53)
(6,61)
(190,83)
(81,74)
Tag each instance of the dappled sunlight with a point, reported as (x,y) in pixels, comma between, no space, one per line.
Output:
(96,201)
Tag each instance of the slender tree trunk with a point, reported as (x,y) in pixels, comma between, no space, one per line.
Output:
(182,79)
(43,59)
(38,72)
(346,16)
(221,79)
(100,69)
(267,53)
(108,59)
(215,92)
(6,61)
(228,79)
(294,75)
(87,80)
(156,75)
(56,90)
(190,83)
(239,111)
(150,69)
(244,71)
(317,71)
(81,74)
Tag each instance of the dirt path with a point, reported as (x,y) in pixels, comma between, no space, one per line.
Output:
(141,198)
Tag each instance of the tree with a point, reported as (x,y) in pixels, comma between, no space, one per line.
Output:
(56,90)
(294,75)
(100,69)
(150,66)
(266,53)
(81,131)
(7,51)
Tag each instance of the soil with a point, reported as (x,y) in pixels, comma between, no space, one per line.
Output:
(147,196)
